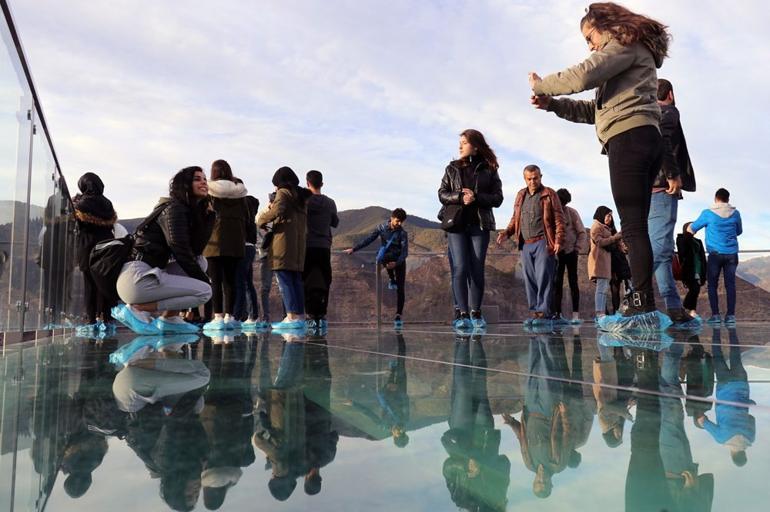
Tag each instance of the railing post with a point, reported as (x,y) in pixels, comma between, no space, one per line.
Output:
(378,292)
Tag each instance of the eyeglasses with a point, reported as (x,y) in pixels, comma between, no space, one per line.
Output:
(588,36)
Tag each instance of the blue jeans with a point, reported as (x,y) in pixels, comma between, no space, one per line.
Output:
(716,264)
(246,305)
(661,223)
(600,299)
(539,271)
(469,253)
(292,291)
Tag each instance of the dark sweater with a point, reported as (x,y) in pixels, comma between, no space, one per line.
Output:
(321,217)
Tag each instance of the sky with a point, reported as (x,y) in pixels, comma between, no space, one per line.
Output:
(375,93)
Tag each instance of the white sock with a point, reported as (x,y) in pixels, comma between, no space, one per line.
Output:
(143,316)
(176,319)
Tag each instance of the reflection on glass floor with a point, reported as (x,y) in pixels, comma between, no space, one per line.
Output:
(366,420)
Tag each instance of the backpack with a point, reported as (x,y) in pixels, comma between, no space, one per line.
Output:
(107,258)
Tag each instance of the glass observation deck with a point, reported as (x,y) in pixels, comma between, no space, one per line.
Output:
(366,419)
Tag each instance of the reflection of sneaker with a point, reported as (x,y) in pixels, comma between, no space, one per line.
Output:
(693,324)
(730,320)
(291,325)
(478,321)
(175,325)
(714,320)
(218,324)
(86,330)
(392,285)
(644,322)
(311,323)
(175,342)
(138,321)
(463,323)
(138,348)
(656,341)
(231,323)
(323,323)
(108,328)
(398,323)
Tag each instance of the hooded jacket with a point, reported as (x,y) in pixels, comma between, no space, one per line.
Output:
(181,232)
(488,190)
(397,251)
(626,83)
(94,214)
(228,237)
(288,214)
(723,226)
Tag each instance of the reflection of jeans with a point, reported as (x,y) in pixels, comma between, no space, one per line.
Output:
(539,269)
(265,283)
(469,252)
(292,291)
(716,263)
(600,299)
(661,223)
(291,365)
(470,402)
(245,293)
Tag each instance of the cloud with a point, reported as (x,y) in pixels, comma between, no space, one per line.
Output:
(373,94)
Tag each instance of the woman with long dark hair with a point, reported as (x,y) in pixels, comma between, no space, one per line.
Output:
(227,245)
(178,228)
(469,190)
(288,215)
(627,48)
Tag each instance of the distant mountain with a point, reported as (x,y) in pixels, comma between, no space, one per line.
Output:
(7,211)
(756,271)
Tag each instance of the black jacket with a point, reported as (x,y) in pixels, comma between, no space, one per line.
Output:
(180,231)
(252,204)
(95,220)
(488,190)
(689,248)
(676,159)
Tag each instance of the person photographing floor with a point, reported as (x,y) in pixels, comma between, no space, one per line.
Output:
(392,255)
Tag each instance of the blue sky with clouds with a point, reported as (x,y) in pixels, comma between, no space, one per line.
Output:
(374,94)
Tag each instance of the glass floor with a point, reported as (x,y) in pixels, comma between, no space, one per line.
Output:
(360,419)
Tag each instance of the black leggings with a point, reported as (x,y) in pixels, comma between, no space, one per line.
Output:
(635,158)
(97,305)
(693,291)
(222,271)
(398,275)
(568,262)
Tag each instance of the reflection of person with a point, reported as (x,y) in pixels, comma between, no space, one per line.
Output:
(544,432)
(280,426)
(165,395)
(393,396)
(477,475)
(688,490)
(734,426)
(612,374)
(227,419)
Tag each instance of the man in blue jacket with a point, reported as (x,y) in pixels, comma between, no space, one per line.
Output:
(391,255)
(723,226)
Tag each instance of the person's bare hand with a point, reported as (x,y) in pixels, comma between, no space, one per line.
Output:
(534,78)
(556,248)
(348,251)
(468,196)
(674,186)
(540,102)
(700,420)
(501,237)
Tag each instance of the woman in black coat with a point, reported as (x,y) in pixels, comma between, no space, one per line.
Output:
(692,259)
(96,219)
(469,190)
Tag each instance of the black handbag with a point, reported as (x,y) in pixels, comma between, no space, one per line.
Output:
(451,217)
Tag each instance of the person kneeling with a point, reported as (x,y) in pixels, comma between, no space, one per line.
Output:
(150,281)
